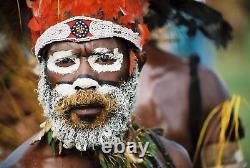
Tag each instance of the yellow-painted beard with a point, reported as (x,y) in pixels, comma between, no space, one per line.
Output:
(84,99)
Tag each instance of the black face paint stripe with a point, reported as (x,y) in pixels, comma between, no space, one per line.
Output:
(85,76)
(64,82)
(107,82)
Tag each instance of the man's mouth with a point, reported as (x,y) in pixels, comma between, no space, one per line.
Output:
(86,113)
(86,109)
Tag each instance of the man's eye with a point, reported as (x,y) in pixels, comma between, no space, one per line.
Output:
(105,60)
(65,62)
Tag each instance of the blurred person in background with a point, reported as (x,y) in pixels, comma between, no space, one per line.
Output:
(178,95)
(19,109)
(185,38)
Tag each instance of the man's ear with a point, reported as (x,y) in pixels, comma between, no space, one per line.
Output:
(136,58)
(132,62)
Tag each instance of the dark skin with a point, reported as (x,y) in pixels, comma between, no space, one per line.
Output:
(85,50)
(41,153)
(163,100)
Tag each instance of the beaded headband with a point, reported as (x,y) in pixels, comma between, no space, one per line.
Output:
(81,28)
(86,20)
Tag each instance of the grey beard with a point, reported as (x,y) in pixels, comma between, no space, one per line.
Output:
(111,132)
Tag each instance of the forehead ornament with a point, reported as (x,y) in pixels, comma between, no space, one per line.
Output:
(80,29)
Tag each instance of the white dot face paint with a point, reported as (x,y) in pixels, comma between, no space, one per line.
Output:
(63,62)
(65,89)
(104,60)
(70,89)
(86,83)
(106,89)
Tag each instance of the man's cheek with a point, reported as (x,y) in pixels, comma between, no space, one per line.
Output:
(107,89)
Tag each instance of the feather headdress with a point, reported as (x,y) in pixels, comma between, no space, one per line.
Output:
(128,13)
(192,14)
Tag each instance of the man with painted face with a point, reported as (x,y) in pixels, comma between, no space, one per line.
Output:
(90,56)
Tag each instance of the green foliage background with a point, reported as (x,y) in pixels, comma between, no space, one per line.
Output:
(233,65)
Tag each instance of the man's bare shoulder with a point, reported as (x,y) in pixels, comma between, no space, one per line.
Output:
(212,88)
(159,58)
(40,155)
(25,154)
(177,153)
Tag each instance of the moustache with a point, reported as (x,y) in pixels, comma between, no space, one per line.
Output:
(86,98)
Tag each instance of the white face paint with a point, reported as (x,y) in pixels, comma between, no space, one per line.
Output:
(105,60)
(63,62)
(69,89)
(203,1)
(65,89)
(111,132)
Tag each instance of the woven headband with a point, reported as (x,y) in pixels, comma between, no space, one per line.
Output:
(81,28)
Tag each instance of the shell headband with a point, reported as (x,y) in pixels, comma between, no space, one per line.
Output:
(81,28)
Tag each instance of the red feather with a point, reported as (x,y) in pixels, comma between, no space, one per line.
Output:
(132,60)
(144,32)
(34,25)
(125,12)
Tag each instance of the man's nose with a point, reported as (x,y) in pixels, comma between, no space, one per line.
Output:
(85,68)
(85,80)
(85,83)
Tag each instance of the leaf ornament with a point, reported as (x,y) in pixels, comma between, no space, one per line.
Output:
(107,160)
(226,110)
(46,126)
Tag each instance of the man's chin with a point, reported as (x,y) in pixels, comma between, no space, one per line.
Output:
(73,135)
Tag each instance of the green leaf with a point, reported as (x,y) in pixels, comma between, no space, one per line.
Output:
(102,161)
(49,137)
(53,146)
(147,163)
